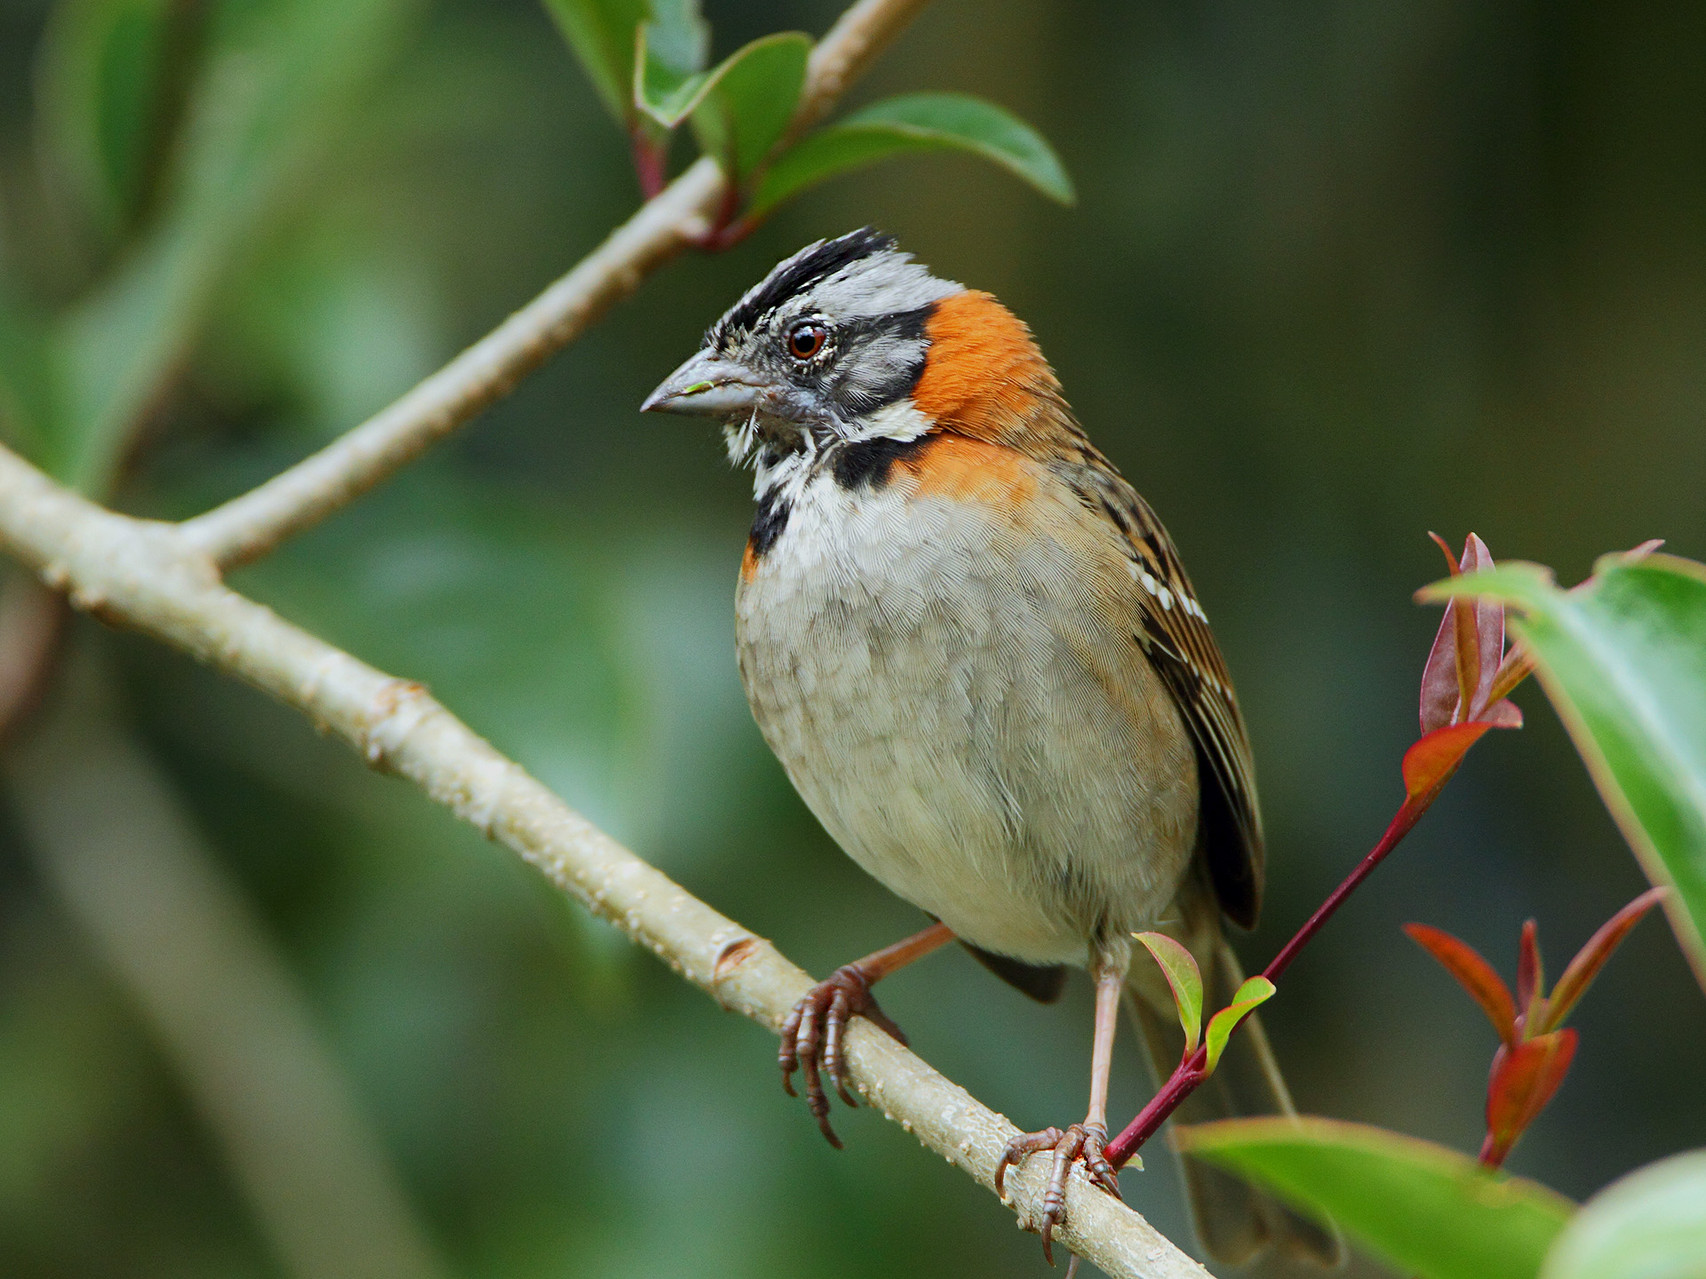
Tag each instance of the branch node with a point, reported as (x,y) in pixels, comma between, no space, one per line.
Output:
(731,957)
(89,599)
(398,707)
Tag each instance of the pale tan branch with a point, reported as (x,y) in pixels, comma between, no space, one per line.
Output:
(846,52)
(249,526)
(145,575)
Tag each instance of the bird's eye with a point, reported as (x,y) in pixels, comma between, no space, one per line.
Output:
(806,339)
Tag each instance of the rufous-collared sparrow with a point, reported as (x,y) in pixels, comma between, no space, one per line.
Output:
(977,655)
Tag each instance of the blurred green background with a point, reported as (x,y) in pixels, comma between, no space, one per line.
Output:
(1339,274)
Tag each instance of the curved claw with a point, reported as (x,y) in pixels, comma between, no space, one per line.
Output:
(812,1038)
(1080,1142)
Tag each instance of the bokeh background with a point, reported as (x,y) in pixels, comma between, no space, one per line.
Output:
(1339,274)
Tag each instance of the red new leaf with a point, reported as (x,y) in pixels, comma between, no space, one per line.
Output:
(1530,973)
(1473,973)
(1516,667)
(1523,1081)
(1460,680)
(1429,764)
(1470,645)
(1591,958)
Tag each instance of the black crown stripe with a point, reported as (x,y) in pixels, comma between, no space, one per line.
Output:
(798,275)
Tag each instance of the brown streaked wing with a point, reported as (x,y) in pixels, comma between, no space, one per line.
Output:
(1178,642)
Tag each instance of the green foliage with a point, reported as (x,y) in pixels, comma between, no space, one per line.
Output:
(601,32)
(1623,657)
(647,61)
(745,105)
(1252,994)
(556,689)
(332,326)
(278,80)
(1185,980)
(673,47)
(669,77)
(915,123)
(1649,1225)
(1425,1209)
(103,98)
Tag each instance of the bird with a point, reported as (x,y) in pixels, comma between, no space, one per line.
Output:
(976,653)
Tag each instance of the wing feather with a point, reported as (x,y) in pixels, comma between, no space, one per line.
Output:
(1170,626)
(1173,631)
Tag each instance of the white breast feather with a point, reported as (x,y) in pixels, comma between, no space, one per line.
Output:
(911,664)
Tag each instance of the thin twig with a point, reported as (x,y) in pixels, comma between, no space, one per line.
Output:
(846,52)
(249,526)
(1192,1072)
(143,575)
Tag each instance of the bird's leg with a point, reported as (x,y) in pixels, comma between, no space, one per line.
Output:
(813,1031)
(1083,1141)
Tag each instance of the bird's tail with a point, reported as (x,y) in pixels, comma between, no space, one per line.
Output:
(1235,1221)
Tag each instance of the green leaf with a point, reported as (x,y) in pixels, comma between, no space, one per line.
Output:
(1184,977)
(1648,1225)
(748,100)
(1424,1209)
(601,32)
(604,35)
(279,80)
(102,76)
(914,123)
(1623,658)
(1254,992)
(669,63)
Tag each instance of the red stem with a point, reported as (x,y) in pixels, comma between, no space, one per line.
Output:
(651,160)
(1193,1070)
(729,228)
(1402,824)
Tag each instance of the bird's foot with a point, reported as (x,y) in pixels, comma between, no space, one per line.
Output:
(1085,1142)
(812,1037)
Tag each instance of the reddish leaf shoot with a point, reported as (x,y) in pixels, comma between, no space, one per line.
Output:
(1429,764)
(1579,975)
(1468,673)
(1474,974)
(1530,973)
(1523,1080)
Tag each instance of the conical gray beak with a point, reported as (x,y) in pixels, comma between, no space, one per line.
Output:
(708,385)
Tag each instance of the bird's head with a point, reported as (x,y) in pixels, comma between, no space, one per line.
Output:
(851,340)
